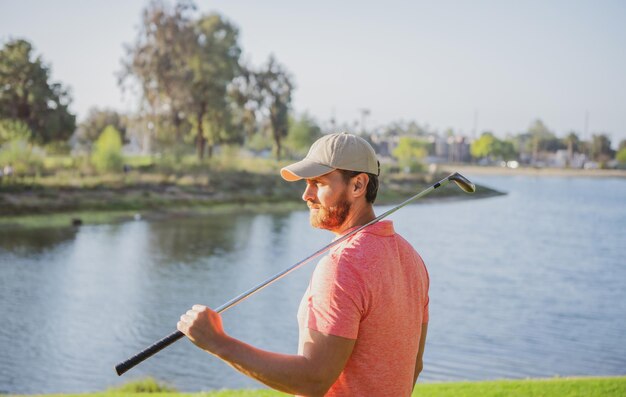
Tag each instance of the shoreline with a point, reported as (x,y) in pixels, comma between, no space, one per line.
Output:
(529,171)
(121,200)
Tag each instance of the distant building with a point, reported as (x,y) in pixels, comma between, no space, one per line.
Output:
(384,145)
(453,149)
(459,149)
(560,159)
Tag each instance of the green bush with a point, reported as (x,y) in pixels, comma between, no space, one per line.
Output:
(301,135)
(11,130)
(621,156)
(25,158)
(259,142)
(410,152)
(107,153)
(58,148)
(147,385)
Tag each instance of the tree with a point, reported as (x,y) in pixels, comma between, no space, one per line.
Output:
(16,150)
(213,65)
(504,150)
(264,94)
(601,148)
(184,66)
(621,156)
(14,130)
(27,94)
(488,146)
(483,146)
(96,121)
(274,87)
(157,64)
(242,94)
(23,156)
(107,154)
(302,133)
(402,128)
(410,152)
(573,145)
(542,139)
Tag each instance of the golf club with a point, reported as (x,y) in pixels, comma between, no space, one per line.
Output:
(124,366)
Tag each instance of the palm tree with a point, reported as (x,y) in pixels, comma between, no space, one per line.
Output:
(572,142)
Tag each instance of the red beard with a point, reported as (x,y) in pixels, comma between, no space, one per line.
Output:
(329,218)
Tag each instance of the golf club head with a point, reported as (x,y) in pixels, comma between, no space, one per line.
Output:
(462,182)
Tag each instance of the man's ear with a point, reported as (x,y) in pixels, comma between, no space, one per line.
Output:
(359,186)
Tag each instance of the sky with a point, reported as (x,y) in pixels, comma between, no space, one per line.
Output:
(467,65)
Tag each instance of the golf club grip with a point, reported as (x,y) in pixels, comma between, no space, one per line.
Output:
(147,352)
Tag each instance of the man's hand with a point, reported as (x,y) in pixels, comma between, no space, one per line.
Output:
(203,327)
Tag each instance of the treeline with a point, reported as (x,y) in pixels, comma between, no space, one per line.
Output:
(196,92)
(538,145)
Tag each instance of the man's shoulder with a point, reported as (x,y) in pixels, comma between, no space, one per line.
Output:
(371,248)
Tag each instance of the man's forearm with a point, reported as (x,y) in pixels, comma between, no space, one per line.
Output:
(310,373)
(292,374)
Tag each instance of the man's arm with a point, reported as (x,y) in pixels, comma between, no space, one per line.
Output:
(311,373)
(419,361)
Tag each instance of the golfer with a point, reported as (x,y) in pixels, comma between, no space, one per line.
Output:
(363,319)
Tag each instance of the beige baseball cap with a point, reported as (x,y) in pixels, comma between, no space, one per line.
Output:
(335,151)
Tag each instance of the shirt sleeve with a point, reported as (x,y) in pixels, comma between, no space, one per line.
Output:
(336,300)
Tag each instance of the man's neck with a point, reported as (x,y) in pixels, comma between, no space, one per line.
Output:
(357,217)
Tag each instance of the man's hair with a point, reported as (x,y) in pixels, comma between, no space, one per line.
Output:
(372,185)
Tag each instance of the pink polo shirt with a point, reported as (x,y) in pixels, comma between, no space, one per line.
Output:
(373,287)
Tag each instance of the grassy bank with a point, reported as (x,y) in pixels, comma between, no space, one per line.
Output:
(555,387)
(59,200)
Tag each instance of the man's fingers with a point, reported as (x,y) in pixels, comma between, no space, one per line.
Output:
(189,318)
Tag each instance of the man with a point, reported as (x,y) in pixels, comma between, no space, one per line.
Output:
(364,317)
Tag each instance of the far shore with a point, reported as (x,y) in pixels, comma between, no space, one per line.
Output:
(532,171)
(113,198)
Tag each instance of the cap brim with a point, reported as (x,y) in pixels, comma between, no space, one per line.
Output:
(304,169)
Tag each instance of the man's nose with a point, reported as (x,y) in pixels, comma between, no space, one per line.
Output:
(309,193)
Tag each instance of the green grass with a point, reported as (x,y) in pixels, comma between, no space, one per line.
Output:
(555,387)
(229,160)
(58,162)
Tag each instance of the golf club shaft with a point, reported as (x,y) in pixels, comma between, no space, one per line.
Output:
(124,366)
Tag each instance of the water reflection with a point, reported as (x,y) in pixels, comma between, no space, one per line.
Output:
(184,242)
(22,241)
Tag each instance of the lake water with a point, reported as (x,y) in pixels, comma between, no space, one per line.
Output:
(530,284)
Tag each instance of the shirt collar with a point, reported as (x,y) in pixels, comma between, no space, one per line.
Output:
(380,228)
